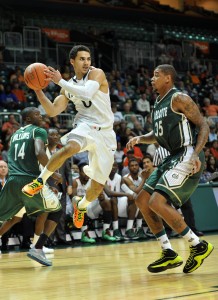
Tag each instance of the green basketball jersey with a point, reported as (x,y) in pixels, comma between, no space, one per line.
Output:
(21,156)
(172,129)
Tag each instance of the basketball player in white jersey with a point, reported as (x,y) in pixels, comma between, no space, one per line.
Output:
(97,207)
(134,181)
(93,126)
(80,185)
(121,198)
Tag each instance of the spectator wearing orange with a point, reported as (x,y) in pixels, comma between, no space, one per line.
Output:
(9,127)
(135,152)
(211,110)
(195,79)
(19,93)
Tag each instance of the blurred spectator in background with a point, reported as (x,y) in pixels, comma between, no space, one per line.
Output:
(127,109)
(20,94)
(137,153)
(4,152)
(75,171)
(214,148)
(215,94)
(118,156)
(143,105)
(138,128)
(9,127)
(206,175)
(7,98)
(54,122)
(211,164)
(211,109)
(148,124)
(118,117)
(213,133)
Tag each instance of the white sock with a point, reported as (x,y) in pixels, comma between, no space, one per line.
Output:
(45,174)
(115,225)
(83,203)
(138,223)
(35,239)
(84,228)
(129,224)
(191,237)
(164,242)
(145,229)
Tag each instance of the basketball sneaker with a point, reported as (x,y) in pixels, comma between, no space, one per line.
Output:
(118,235)
(33,187)
(46,250)
(86,238)
(169,259)
(39,256)
(130,234)
(140,233)
(79,214)
(197,255)
(106,235)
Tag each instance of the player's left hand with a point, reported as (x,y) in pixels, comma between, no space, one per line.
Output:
(195,162)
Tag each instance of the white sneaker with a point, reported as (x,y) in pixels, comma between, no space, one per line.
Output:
(39,256)
(45,249)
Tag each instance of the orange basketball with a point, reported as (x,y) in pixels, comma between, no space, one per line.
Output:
(34,76)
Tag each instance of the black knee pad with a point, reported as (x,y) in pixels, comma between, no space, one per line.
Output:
(55,216)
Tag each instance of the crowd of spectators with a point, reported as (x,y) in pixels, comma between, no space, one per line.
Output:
(132,101)
(131,97)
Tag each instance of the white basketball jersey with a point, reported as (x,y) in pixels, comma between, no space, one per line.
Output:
(136,182)
(96,111)
(81,188)
(115,183)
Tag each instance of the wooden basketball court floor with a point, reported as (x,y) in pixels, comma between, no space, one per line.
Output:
(107,272)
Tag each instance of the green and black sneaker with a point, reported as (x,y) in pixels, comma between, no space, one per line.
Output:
(197,255)
(169,260)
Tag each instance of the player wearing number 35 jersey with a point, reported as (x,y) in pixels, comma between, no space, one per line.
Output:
(179,127)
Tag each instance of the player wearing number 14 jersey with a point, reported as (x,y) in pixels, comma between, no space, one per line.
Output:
(26,149)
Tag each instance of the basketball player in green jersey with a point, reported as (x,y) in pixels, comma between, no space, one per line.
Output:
(179,127)
(26,152)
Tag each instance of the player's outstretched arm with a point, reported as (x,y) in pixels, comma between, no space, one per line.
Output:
(148,138)
(52,109)
(86,92)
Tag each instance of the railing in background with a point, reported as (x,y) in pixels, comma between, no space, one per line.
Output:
(26,48)
(66,120)
(4,116)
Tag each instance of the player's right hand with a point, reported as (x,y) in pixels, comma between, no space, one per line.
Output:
(132,142)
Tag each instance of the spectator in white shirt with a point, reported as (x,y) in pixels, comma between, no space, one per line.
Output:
(143,105)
